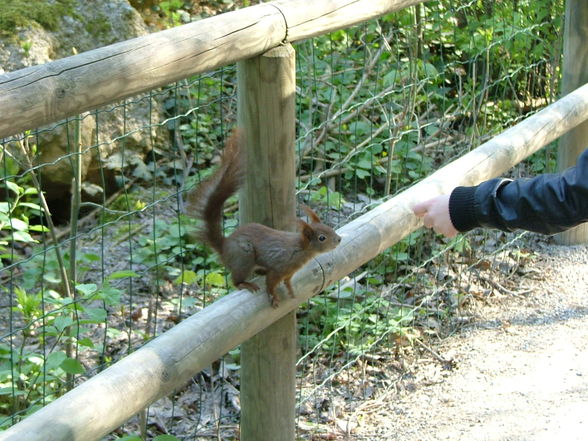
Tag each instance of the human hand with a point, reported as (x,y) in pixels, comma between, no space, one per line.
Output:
(435,214)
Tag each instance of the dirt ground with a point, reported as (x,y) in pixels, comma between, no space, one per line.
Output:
(519,370)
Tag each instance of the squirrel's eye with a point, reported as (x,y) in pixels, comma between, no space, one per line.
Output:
(322,238)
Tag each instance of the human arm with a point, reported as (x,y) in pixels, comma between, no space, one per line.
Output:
(545,204)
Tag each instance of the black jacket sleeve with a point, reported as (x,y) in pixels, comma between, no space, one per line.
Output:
(545,204)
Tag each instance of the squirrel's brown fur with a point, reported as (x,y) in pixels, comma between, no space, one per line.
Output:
(254,247)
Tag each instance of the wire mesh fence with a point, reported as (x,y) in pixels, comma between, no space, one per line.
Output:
(379,106)
(432,83)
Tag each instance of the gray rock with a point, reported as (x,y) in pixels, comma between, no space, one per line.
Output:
(91,25)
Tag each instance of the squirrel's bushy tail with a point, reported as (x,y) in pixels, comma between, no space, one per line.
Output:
(206,202)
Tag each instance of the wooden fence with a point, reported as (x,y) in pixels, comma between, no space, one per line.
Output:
(43,94)
(70,86)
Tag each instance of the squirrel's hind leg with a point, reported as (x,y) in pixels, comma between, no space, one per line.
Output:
(239,258)
(240,276)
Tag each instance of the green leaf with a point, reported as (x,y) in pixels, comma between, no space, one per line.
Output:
(165,438)
(364,163)
(111,296)
(188,277)
(390,78)
(215,279)
(72,366)
(95,315)
(9,390)
(86,342)
(23,236)
(401,256)
(35,359)
(55,359)
(38,228)
(122,275)
(31,190)
(18,225)
(359,127)
(62,322)
(87,289)
(113,333)
(361,174)
(346,293)
(430,70)
(51,278)
(29,304)
(13,187)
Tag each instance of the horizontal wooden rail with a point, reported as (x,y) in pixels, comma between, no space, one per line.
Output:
(102,403)
(47,93)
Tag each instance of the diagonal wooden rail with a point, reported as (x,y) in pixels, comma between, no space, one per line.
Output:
(44,94)
(102,403)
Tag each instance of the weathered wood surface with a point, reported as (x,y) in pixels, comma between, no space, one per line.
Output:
(47,93)
(307,19)
(104,402)
(267,115)
(575,74)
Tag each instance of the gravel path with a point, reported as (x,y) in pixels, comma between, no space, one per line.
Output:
(520,371)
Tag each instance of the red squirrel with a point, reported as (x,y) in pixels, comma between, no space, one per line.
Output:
(254,247)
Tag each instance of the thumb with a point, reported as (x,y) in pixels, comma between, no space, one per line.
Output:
(421,208)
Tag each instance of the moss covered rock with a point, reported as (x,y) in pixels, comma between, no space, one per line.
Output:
(34,32)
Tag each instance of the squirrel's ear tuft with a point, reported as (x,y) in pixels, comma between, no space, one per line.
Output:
(311,214)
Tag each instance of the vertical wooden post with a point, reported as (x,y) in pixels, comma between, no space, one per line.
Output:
(266,112)
(575,74)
